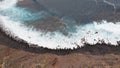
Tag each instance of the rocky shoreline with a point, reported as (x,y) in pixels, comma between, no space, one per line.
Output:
(22,45)
(18,54)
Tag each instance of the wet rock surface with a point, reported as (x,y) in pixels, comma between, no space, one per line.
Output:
(15,54)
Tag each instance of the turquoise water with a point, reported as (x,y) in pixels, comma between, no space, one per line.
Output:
(14,20)
(22,14)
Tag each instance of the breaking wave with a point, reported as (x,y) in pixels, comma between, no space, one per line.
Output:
(92,33)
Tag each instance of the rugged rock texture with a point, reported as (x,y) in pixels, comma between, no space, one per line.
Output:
(14,58)
(15,54)
(19,55)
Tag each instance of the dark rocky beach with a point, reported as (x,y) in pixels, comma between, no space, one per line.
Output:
(14,54)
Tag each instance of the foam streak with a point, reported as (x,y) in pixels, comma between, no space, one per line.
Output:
(91,33)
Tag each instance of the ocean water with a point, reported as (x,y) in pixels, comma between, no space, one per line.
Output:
(20,23)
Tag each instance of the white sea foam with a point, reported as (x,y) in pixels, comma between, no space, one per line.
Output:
(88,32)
(91,33)
(34,37)
(5,4)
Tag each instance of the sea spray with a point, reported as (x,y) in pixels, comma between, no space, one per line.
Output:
(92,33)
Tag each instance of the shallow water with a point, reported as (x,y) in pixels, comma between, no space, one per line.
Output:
(55,29)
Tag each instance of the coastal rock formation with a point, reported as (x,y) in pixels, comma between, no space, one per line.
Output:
(62,25)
